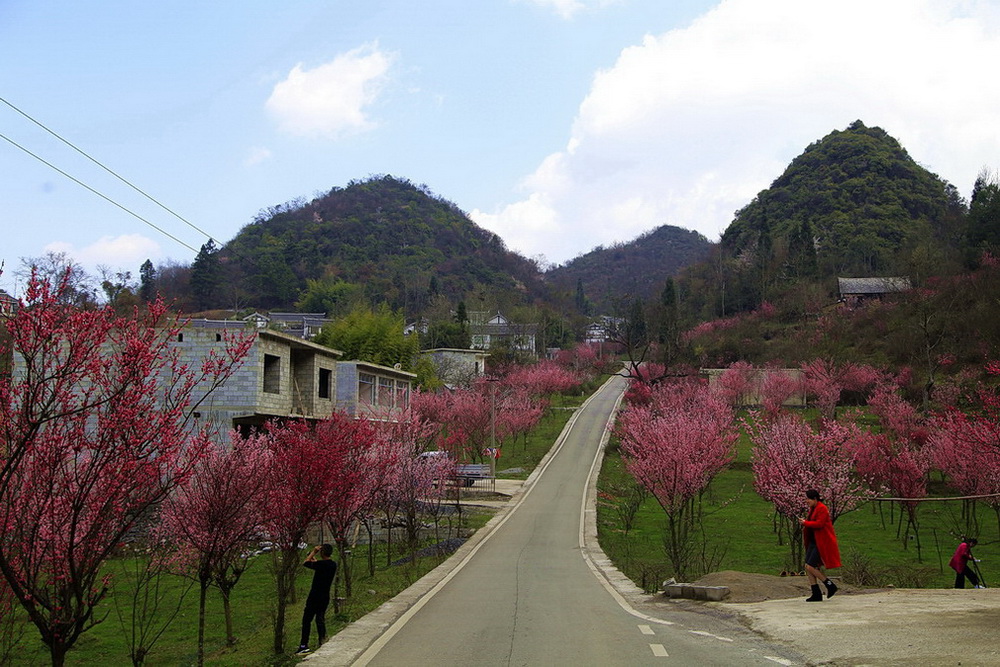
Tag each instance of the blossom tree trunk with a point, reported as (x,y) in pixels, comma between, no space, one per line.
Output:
(315,469)
(363,464)
(217,515)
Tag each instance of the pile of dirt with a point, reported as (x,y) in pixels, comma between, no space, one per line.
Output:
(752,587)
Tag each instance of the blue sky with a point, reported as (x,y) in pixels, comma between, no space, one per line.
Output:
(559,124)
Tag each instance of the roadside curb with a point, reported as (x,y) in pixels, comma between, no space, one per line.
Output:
(348,645)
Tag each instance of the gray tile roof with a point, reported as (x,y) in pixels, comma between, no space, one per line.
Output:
(877,285)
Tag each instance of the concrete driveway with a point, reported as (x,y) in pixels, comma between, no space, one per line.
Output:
(896,627)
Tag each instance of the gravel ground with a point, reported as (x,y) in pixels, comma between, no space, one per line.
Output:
(891,627)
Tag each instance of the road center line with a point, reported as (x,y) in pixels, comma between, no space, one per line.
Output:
(659,650)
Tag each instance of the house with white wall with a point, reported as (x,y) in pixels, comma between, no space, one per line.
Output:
(455,366)
(491,331)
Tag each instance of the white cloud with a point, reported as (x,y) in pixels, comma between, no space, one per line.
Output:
(524,222)
(688,126)
(333,99)
(127,250)
(256,155)
(567,9)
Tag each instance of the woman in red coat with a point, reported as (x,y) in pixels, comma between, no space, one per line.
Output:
(821,546)
(960,563)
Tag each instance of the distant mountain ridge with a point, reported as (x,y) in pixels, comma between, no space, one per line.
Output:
(637,269)
(399,243)
(854,203)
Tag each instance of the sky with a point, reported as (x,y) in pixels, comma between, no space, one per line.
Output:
(133,131)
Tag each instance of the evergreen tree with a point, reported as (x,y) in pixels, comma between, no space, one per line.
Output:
(669,326)
(206,276)
(273,279)
(984,214)
(582,302)
(802,252)
(637,335)
(147,281)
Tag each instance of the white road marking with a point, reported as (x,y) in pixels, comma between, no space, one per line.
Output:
(709,634)
(780,661)
(659,651)
(646,630)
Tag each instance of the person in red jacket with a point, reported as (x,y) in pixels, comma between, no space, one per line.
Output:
(821,546)
(960,563)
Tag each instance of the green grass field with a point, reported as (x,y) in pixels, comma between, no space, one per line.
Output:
(739,534)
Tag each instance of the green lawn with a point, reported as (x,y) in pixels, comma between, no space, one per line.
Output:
(253,605)
(739,534)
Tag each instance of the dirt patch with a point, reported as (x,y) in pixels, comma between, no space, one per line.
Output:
(752,587)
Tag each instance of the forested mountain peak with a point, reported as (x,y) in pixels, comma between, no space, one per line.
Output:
(383,237)
(847,205)
(636,269)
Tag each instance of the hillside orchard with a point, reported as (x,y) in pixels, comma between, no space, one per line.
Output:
(677,436)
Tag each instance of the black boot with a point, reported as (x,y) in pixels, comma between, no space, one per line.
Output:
(831,588)
(816,596)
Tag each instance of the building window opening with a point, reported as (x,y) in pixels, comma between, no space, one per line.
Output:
(324,382)
(366,389)
(402,395)
(385,392)
(272,374)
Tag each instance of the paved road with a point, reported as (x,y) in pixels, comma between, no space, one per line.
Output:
(530,592)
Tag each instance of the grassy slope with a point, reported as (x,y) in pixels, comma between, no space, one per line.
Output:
(739,528)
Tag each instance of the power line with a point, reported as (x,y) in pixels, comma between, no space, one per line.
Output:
(113,173)
(99,194)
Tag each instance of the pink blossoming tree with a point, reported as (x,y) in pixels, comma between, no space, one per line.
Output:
(417,480)
(364,464)
(789,457)
(299,496)
(541,379)
(825,380)
(775,389)
(674,446)
(95,433)
(737,383)
(218,516)
(966,447)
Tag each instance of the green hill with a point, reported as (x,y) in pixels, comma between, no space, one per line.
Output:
(853,203)
(385,237)
(628,270)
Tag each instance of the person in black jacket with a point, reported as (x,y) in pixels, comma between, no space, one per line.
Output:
(318,599)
